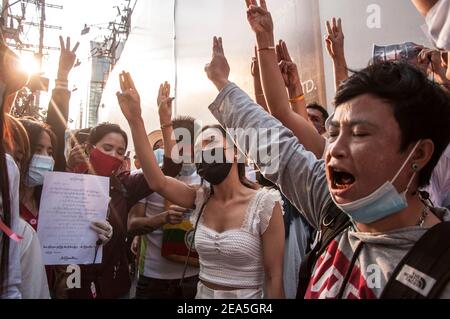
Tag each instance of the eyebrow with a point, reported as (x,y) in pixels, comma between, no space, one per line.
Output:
(43,146)
(337,124)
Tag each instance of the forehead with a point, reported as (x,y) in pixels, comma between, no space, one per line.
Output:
(364,109)
(114,139)
(314,112)
(210,135)
(44,139)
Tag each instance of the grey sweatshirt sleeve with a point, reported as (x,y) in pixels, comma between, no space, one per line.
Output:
(276,152)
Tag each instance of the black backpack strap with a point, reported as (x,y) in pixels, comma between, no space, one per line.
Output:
(333,223)
(425,271)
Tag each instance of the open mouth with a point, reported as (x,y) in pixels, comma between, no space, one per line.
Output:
(341,180)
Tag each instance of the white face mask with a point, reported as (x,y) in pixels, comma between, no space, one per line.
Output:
(382,203)
(188,170)
(38,167)
(438,25)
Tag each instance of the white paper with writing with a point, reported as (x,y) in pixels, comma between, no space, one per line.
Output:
(69,204)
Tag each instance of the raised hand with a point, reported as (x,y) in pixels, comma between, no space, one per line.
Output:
(259,17)
(288,68)
(335,39)
(77,156)
(218,70)
(67,58)
(435,64)
(165,103)
(129,99)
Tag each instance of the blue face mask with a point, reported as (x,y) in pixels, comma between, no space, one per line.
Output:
(382,203)
(38,167)
(159,154)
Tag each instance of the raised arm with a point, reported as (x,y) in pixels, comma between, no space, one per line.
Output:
(58,108)
(274,83)
(335,47)
(292,81)
(275,150)
(170,188)
(424,6)
(259,92)
(165,119)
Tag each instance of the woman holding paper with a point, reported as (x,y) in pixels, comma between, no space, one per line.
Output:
(104,155)
(42,143)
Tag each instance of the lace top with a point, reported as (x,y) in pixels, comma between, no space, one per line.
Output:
(234,258)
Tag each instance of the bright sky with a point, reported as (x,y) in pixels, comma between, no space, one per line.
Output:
(72,19)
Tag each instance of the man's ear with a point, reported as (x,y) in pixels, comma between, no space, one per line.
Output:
(423,154)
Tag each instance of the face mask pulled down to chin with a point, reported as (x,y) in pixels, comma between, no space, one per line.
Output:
(384,202)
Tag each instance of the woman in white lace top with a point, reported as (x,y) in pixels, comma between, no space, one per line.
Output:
(240,235)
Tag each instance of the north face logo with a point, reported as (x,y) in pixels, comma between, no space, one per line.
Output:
(416,280)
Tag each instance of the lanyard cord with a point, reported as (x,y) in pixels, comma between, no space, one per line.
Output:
(350,270)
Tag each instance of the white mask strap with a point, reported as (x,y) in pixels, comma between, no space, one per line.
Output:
(406,163)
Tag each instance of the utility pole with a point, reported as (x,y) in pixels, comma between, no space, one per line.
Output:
(13,26)
(5,7)
(40,54)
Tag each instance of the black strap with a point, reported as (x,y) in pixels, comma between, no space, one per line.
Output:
(334,223)
(429,256)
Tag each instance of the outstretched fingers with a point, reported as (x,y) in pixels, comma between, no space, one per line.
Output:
(329,28)
(263,4)
(220,46)
(285,51)
(75,48)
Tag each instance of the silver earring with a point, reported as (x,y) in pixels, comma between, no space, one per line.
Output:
(415,167)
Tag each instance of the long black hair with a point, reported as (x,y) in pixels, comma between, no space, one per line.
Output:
(241,166)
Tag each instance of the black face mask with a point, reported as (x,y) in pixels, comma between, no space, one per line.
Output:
(214,173)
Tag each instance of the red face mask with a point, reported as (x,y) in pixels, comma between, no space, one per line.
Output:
(103,164)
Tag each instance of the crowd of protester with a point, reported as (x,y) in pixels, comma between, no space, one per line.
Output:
(352,205)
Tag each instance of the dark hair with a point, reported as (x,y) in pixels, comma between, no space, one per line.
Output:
(420,107)
(320,108)
(101,130)
(20,141)
(241,166)
(188,123)
(34,130)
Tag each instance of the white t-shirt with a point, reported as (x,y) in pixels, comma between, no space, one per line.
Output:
(152,264)
(439,188)
(12,286)
(438,23)
(34,278)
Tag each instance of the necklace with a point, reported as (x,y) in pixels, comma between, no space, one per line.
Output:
(422,219)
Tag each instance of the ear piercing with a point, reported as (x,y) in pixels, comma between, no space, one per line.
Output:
(415,167)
